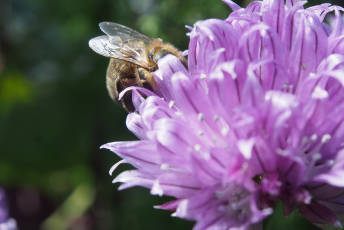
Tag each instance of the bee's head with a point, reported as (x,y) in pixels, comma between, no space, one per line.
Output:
(157,53)
(158,50)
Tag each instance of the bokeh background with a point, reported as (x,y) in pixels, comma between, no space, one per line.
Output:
(55,113)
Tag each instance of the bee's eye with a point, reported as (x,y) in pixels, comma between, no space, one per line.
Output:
(150,55)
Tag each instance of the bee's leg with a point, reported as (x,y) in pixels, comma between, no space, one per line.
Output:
(147,79)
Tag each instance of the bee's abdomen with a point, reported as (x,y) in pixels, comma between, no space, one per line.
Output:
(124,68)
(121,75)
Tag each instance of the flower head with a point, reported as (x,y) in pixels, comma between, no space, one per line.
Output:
(6,223)
(257,117)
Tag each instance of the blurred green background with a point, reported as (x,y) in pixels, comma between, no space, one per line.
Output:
(55,112)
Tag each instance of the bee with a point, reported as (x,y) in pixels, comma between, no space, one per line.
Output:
(133,59)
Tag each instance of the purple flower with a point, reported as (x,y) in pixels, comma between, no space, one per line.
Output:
(6,223)
(256,118)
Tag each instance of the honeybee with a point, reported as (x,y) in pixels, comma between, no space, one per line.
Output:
(133,59)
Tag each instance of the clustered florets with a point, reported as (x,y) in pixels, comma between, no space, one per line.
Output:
(256,118)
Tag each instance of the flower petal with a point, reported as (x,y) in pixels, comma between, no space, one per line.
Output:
(318,213)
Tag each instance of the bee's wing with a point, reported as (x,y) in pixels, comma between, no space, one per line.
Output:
(122,43)
(126,34)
